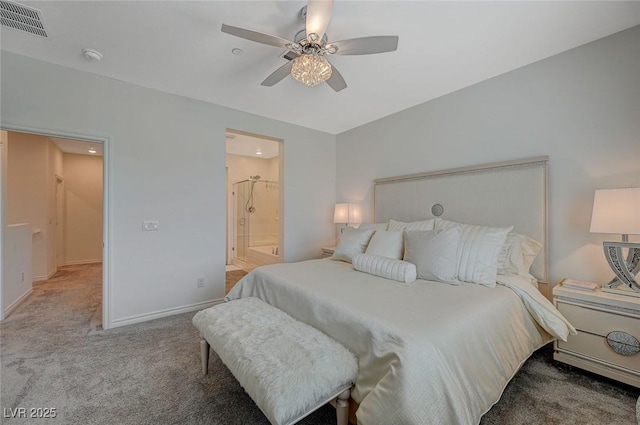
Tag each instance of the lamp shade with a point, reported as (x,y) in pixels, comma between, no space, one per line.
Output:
(616,211)
(347,213)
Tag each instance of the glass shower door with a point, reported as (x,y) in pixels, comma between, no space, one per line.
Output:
(264,220)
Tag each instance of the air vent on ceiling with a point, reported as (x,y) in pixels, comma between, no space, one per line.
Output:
(22,18)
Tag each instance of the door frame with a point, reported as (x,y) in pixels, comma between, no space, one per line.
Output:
(59,219)
(106,209)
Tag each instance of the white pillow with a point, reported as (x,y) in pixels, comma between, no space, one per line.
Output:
(386,244)
(352,242)
(530,249)
(388,268)
(478,251)
(517,254)
(414,225)
(374,226)
(434,252)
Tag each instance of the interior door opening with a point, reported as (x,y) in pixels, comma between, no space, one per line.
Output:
(254,201)
(52,204)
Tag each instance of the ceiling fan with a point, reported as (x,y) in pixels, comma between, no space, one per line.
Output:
(306,54)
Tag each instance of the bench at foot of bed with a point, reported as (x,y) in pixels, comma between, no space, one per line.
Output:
(288,368)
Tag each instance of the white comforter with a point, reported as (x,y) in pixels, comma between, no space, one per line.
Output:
(428,353)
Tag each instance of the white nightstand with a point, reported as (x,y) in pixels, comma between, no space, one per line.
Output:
(328,251)
(597,316)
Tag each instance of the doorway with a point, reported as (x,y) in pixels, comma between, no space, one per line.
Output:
(254,200)
(55,184)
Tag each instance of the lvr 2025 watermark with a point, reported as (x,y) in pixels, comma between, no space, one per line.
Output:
(30,412)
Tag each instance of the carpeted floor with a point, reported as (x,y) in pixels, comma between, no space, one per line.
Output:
(55,355)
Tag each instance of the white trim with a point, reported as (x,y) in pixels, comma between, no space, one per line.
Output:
(164,313)
(470,169)
(47,277)
(73,263)
(59,240)
(3,172)
(107,302)
(17,302)
(229,215)
(106,206)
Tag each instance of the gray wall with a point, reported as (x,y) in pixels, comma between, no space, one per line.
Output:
(166,161)
(581,107)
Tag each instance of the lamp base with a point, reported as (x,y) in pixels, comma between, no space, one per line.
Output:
(621,290)
(624,282)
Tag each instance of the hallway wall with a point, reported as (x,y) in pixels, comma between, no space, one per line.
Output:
(32,163)
(83,208)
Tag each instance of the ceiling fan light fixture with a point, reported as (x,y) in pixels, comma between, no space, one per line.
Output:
(311,69)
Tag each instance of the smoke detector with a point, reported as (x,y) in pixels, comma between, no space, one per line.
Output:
(22,18)
(92,55)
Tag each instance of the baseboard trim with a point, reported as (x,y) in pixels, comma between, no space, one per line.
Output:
(47,277)
(163,313)
(75,263)
(17,302)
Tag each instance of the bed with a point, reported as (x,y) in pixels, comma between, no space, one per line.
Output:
(429,352)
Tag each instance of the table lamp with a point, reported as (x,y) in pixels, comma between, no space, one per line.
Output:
(617,211)
(346,214)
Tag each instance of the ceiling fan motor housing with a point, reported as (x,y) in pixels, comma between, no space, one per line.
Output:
(302,35)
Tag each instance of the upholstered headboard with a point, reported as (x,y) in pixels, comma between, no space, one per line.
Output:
(497,194)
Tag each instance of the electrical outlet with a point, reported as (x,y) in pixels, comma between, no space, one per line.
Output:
(201,282)
(150,226)
(23,276)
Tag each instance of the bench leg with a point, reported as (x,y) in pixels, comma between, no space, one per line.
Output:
(204,354)
(342,407)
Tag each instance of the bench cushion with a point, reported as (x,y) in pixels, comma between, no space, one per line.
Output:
(287,367)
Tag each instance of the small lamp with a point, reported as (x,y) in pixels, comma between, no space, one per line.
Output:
(617,211)
(346,214)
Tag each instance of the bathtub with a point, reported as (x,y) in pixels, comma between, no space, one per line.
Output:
(261,255)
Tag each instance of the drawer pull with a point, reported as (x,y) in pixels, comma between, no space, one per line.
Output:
(623,343)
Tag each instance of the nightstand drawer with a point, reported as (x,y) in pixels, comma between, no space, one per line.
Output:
(598,322)
(596,346)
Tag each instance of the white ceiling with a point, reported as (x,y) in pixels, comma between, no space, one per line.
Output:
(243,144)
(177,47)
(77,146)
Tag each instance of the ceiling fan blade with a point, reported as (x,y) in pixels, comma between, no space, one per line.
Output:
(336,82)
(258,37)
(318,16)
(278,75)
(367,45)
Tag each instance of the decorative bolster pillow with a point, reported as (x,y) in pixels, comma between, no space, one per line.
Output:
(386,267)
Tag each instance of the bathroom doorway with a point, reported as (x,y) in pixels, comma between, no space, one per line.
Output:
(254,201)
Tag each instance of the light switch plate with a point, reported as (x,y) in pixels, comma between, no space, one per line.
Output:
(150,226)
